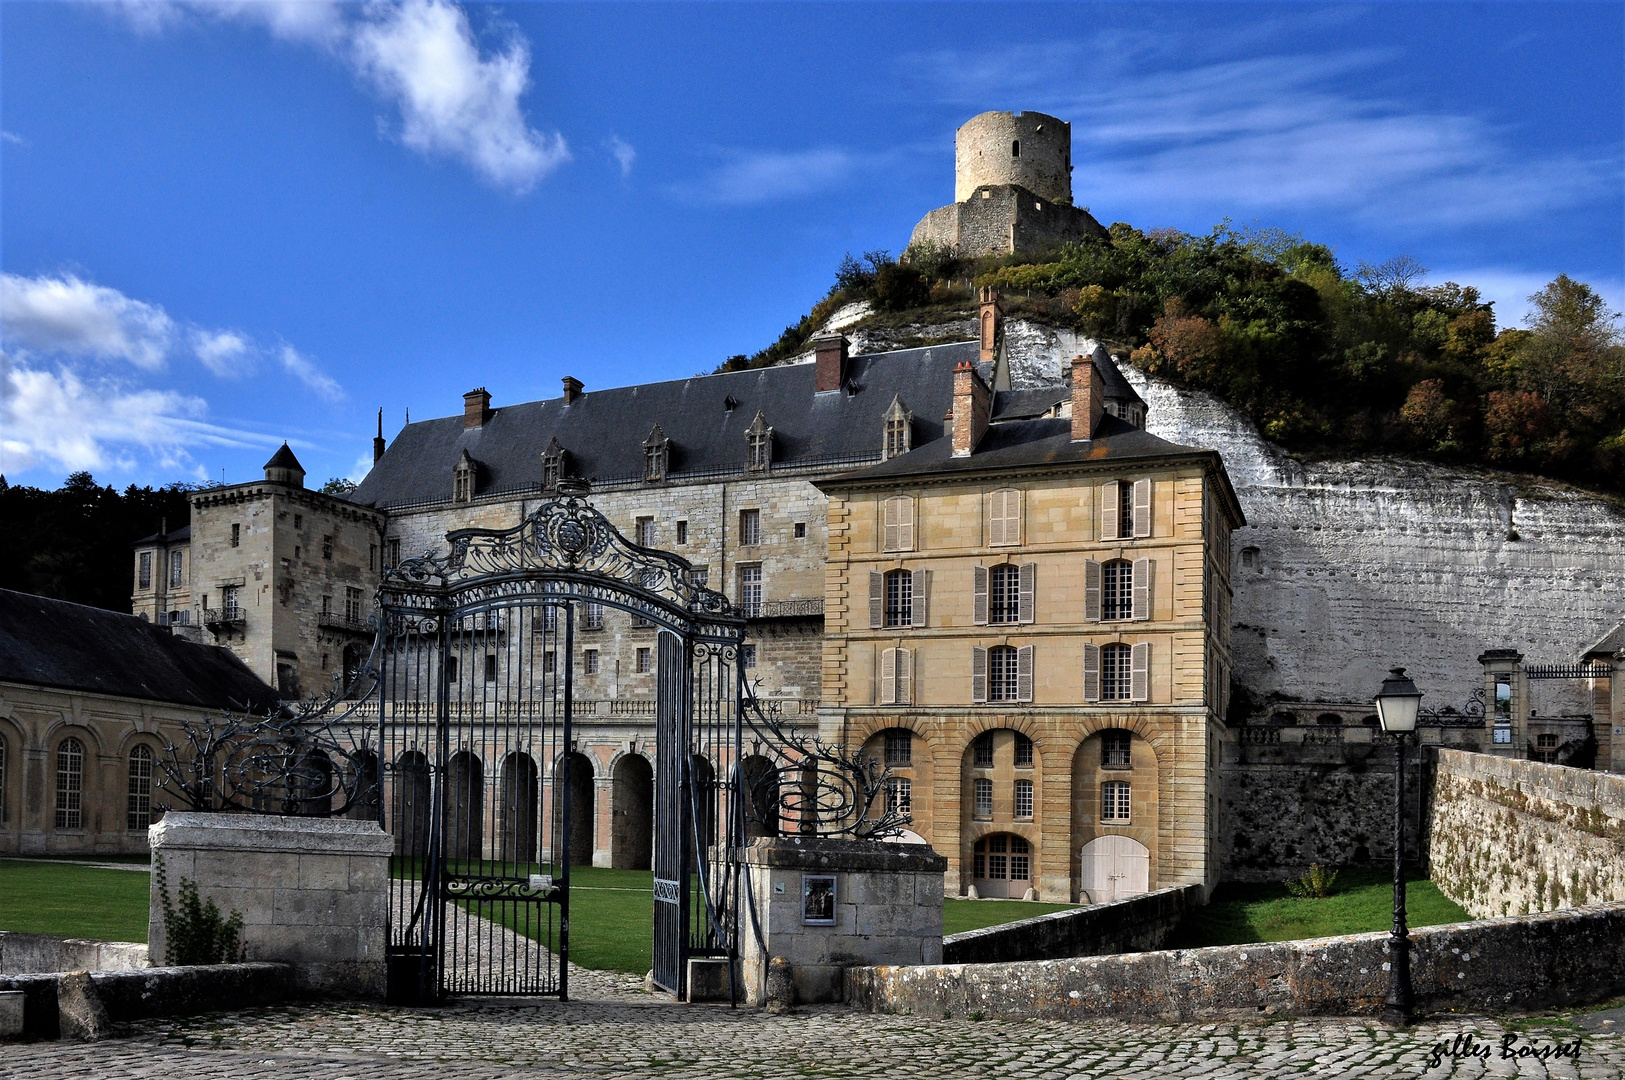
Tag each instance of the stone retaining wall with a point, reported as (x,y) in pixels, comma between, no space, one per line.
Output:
(1512,836)
(1133,925)
(133,995)
(24,954)
(1561,958)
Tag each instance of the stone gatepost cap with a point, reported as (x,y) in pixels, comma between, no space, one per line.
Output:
(267,832)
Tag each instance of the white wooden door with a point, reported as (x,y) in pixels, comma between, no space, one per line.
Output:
(1115,867)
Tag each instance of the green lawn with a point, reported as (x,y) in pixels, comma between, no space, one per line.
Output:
(73,901)
(961,915)
(1363,901)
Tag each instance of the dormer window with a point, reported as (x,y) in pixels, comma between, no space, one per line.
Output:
(760,438)
(899,430)
(552,466)
(464,478)
(656,455)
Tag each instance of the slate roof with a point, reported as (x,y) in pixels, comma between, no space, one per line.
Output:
(173,536)
(284,459)
(602,431)
(1611,643)
(45,642)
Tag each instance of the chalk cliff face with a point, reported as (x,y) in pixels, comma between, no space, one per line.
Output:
(1347,568)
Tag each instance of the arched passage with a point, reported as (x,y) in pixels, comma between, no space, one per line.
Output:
(409,805)
(762,797)
(516,812)
(464,807)
(632,804)
(582,808)
(1113,868)
(703,783)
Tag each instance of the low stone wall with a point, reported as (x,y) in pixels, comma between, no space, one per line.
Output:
(1560,958)
(1133,925)
(1511,836)
(887,908)
(116,996)
(311,891)
(23,954)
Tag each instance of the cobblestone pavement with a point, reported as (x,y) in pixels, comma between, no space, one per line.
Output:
(622,1033)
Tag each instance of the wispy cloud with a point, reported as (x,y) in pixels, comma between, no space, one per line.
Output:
(13,138)
(751,177)
(227,353)
(623,153)
(1151,126)
(453,99)
(305,370)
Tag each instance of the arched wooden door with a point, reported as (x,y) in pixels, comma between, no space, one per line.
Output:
(1114,867)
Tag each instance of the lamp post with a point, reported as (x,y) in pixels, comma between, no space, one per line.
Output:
(1397,705)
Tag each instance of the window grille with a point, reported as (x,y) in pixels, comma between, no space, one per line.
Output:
(643,665)
(1116,750)
(750,527)
(899,747)
(1024,799)
(139,810)
(750,590)
(1116,673)
(982,750)
(899,790)
(984,797)
(1002,674)
(1117,590)
(747,656)
(899,598)
(682,532)
(1114,801)
(1024,750)
(1004,594)
(589,661)
(1125,510)
(230,609)
(236,534)
(70,784)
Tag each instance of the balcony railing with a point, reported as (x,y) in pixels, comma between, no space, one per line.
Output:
(230,616)
(333,620)
(785,609)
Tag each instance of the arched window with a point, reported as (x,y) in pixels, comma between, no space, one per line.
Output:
(1117,589)
(70,784)
(899,598)
(1024,751)
(1116,672)
(1015,148)
(138,813)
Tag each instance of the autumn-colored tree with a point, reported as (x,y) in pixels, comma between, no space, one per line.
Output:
(1433,418)
(1514,424)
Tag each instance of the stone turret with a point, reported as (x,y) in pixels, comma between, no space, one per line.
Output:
(284,468)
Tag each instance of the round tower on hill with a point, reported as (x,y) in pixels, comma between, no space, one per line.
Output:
(1025,148)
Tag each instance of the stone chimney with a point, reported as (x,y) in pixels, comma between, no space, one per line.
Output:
(572,388)
(476,408)
(830,367)
(378,439)
(973,402)
(990,318)
(1088,398)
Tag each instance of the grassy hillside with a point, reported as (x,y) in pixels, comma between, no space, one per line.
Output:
(1325,359)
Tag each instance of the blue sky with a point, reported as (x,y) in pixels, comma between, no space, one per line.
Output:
(227,224)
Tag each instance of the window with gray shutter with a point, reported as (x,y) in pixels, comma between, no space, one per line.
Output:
(1109,495)
(905,676)
(922,597)
(1091,672)
(1140,679)
(1142,507)
(877,600)
(1091,590)
(1004,517)
(898,524)
(979,606)
(978,674)
(888,677)
(1024,673)
(1142,589)
(1028,586)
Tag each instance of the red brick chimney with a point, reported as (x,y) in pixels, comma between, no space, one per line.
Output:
(476,408)
(830,366)
(572,388)
(1088,398)
(973,401)
(990,319)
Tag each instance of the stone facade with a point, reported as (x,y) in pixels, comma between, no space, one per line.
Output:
(1001,219)
(1510,837)
(1027,149)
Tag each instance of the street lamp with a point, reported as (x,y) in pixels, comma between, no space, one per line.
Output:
(1398,702)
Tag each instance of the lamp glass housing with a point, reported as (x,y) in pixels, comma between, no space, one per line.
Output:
(1398,703)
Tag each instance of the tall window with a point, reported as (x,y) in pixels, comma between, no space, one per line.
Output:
(1024,799)
(1117,590)
(981,753)
(592,615)
(643,664)
(701,576)
(552,465)
(327,547)
(451,669)
(899,748)
(899,598)
(1116,673)
(896,436)
(144,575)
(1004,517)
(174,569)
(139,811)
(682,532)
(899,791)
(646,531)
(1125,509)
(1002,674)
(236,534)
(656,455)
(760,441)
(898,526)
(1114,802)
(1024,750)
(2,781)
(1004,594)
(70,784)
(1503,699)
(750,527)
(327,605)
(984,797)
(490,667)
(1116,750)
(230,607)
(392,554)
(589,661)
(747,656)
(352,604)
(750,590)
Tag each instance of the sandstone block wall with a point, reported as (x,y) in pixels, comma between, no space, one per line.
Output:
(1512,836)
(1132,925)
(311,891)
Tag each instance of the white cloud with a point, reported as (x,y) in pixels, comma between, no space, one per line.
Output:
(303,369)
(453,101)
(623,153)
(13,138)
(227,353)
(747,178)
(67,316)
(58,418)
(363,465)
